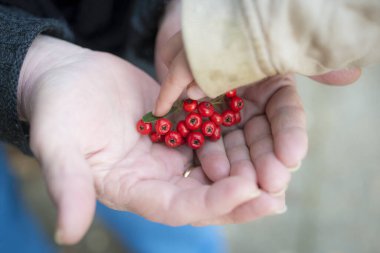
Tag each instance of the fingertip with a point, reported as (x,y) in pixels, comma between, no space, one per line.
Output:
(161,111)
(214,160)
(237,190)
(59,237)
(280,192)
(291,146)
(260,207)
(273,176)
(295,168)
(219,169)
(157,111)
(75,215)
(74,194)
(160,108)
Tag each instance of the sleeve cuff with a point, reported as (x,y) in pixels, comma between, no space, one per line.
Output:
(224,46)
(18,29)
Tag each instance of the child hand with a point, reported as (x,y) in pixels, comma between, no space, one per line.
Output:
(175,74)
(172,67)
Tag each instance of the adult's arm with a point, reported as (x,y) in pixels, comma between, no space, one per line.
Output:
(18,29)
(233,43)
(22,21)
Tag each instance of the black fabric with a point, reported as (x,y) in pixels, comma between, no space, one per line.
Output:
(105,25)
(99,25)
(144,27)
(102,25)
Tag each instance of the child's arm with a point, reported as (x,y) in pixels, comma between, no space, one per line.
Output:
(229,43)
(233,43)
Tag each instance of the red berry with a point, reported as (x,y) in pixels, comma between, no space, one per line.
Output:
(216,118)
(144,128)
(217,134)
(195,140)
(206,109)
(189,105)
(163,126)
(231,93)
(237,117)
(208,128)
(228,118)
(236,104)
(193,121)
(155,137)
(173,139)
(182,129)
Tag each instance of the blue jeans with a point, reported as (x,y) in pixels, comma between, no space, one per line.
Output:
(20,233)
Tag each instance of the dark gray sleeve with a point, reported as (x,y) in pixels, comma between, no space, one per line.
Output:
(17,32)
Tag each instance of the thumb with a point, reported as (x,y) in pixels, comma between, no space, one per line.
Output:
(70,183)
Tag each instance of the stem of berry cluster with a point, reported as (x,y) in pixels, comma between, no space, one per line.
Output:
(193,122)
(177,107)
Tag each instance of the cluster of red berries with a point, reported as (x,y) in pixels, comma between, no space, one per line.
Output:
(201,121)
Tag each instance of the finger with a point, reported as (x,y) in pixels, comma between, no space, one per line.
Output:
(260,207)
(273,177)
(176,81)
(174,205)
(238,156)
(339,77)
(277,96)
(214,161)
(257,208)
(69,181)
(288,126)
(171,49)
(260,93)
(166,53)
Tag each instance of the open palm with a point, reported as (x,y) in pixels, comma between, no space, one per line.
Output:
(265,147)
(82,117)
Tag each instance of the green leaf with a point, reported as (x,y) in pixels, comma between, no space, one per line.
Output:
(150,118)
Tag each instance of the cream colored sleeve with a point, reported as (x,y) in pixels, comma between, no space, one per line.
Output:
(231,43)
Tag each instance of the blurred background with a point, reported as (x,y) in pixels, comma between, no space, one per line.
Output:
(333,200)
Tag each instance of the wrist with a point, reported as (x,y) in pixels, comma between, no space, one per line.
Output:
(45,53)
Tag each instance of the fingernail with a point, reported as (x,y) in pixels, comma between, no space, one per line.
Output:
(282,210)
(279,193)
(194,92)
(295,168)
(58,237)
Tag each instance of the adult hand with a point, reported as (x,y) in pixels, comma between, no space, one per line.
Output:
(83,107)
(265,147)
(233,155)
(271,140)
